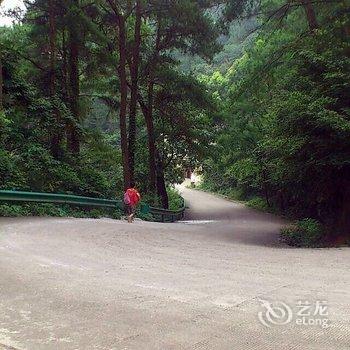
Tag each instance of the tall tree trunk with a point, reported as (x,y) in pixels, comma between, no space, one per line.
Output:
(346,26)
(161,186)
(1,85)
(55,138)
(148,114)
(73,137)
(123,100)
(310,14)
(65,88)
(134,71)
(52,39)
(151,139)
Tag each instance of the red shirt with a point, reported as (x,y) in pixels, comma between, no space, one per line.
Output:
(133,195)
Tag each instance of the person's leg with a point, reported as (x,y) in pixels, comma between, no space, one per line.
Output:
(128,211)
(133,213)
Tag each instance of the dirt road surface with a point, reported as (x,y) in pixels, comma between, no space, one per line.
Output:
(212,282)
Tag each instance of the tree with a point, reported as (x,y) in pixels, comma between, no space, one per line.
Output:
(73,138)
(188,30)
(184,26)
(284,131)
(182,126)
(310,14)
(56,134)
(122,73)
(134,72)
(1,83)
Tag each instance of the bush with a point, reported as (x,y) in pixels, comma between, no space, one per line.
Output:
(46,209)
(259,204)
(303,233)
(234,193)
(175,199)
(145,217)
(13,210)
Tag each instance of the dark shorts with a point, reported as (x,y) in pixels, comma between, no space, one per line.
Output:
(129,209)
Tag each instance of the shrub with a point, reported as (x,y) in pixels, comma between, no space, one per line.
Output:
(259,204)
(175,199)
(235,193)
(47,209)
(145,217)
(116,214)
(303,233)
(13,210)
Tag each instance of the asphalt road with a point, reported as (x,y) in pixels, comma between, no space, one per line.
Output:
(103,284)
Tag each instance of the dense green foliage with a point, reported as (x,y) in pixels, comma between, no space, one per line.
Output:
(304,233)
(26,161)
(17,210)
(284,131)
(92,100)
(27,122)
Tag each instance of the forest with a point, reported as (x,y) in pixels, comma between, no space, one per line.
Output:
(98,95)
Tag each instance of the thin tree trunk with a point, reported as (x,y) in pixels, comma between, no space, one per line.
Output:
(52,38)
(134,69)
(310,14)
(123,91)
(55,131)
(65,88)
(346,25)
(148,114)
(73,137)
(151,139)
(1,85)
(123,100)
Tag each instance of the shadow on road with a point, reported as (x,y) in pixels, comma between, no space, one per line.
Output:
(232,221)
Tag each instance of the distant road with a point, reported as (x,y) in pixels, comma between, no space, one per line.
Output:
(81,284)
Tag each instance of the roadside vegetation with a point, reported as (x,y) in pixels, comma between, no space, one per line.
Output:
(92,99)
(283,133)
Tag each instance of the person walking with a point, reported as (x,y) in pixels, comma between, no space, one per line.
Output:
(131,199)
(193,180)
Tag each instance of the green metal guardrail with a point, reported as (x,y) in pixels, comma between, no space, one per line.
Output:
(159,214)
(166,215)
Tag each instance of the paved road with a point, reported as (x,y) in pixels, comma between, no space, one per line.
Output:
(102,284)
